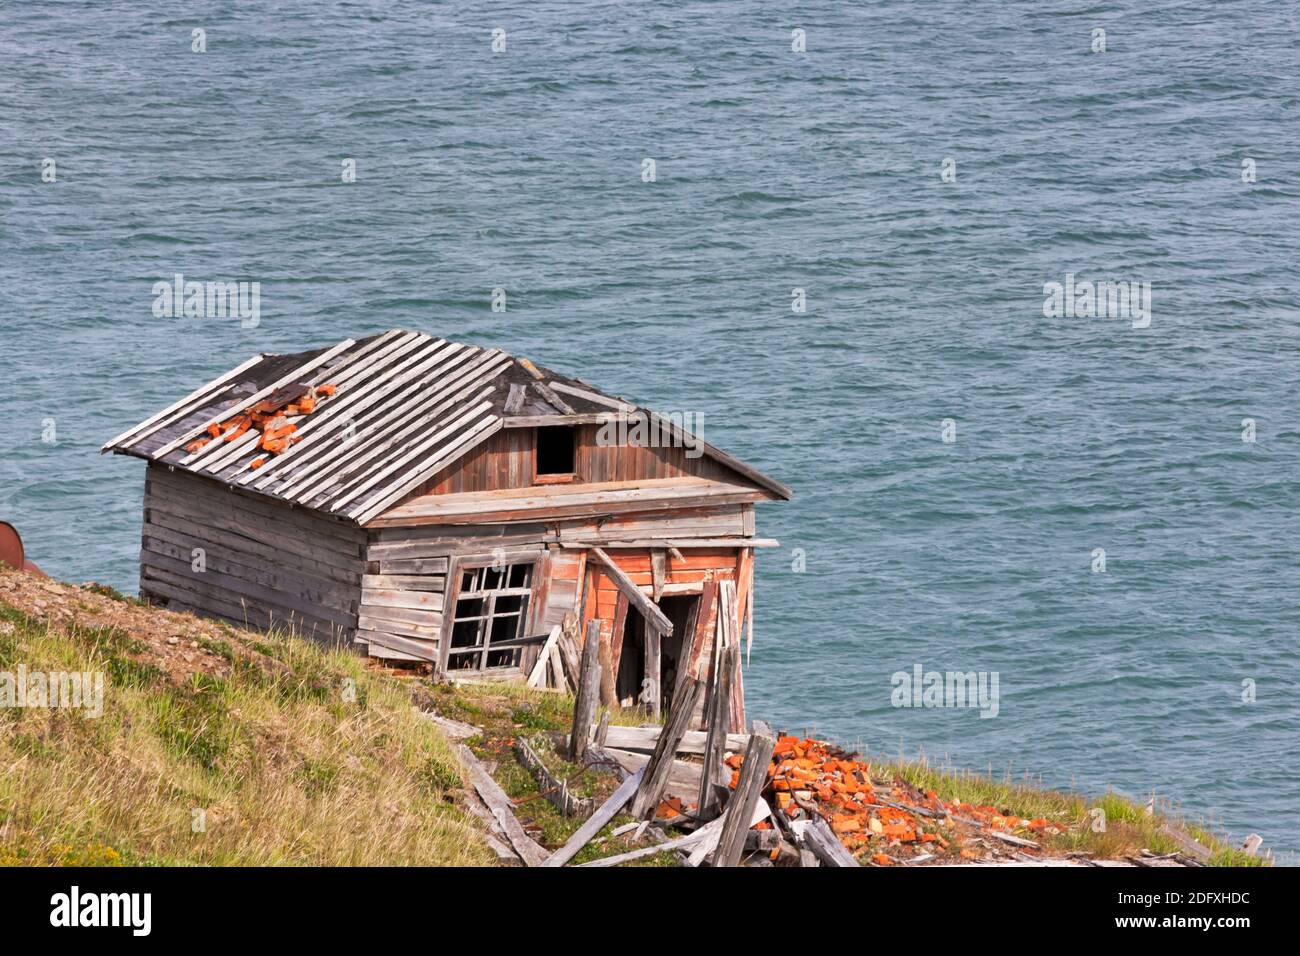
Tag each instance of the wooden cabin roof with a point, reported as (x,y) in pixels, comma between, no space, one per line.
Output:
(406,405)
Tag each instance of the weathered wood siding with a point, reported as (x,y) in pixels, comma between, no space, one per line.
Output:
(264,564)
(406,585)
(407,589)
(506,461)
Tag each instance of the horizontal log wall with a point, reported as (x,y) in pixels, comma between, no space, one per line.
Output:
(264,564)
(406,585)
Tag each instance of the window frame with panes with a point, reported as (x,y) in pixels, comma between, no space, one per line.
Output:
(487,580)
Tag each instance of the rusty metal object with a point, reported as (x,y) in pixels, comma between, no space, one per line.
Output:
(11,549)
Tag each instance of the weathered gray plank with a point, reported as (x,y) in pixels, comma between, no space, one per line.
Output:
(584,709)
(716,739)
(606,812)
(649,610)
(753,774)
(502,809)
(661,761)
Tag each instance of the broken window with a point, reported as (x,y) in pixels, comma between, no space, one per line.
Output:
(491,610)
(555,452)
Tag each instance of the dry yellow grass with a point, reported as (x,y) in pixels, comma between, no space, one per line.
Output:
(309,760)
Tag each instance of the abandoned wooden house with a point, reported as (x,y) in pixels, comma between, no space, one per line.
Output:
(443,503)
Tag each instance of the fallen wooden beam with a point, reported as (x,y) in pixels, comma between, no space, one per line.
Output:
(692,742)
(986,830)
(604,813)
(702,842)
(818,837)
(492,830)
(714,828)
(538,675)
(570,655)
(543,389)
(661,761)
(455,729)
(753,774)
(555,790)
(715,741)
(684,841)
(649,610)
(498,802)
(515,400)
(683,779)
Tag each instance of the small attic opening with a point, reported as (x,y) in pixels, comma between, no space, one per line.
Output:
(554,453)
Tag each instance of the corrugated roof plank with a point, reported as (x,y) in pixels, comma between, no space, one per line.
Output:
(427,446)
(213,458)
(412,480)
(420,409)
(344,412)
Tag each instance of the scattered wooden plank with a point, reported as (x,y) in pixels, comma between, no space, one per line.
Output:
(569,656)
(594,397)
(455,729)
(557,670)
(543,389)
(676,844)
(604,813)
(997,834)
(515,400)
(683,778)
(716,739)
(555,790)
(498,803)
(538,675)
(661,761)
(505,856)
(692,742)
(714,829)
(818,837)
(753,774)
(1188,843)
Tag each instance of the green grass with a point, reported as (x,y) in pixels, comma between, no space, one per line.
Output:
(305,758)
(1106,826)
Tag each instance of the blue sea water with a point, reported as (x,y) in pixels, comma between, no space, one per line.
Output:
(774,170)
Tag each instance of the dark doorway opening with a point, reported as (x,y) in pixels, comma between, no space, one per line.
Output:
(630,683)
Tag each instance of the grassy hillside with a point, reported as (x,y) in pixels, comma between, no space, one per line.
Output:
(215,746)
(218,746)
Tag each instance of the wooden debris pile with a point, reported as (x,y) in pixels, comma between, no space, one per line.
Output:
(269,417)
(557,663)
(756,799)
